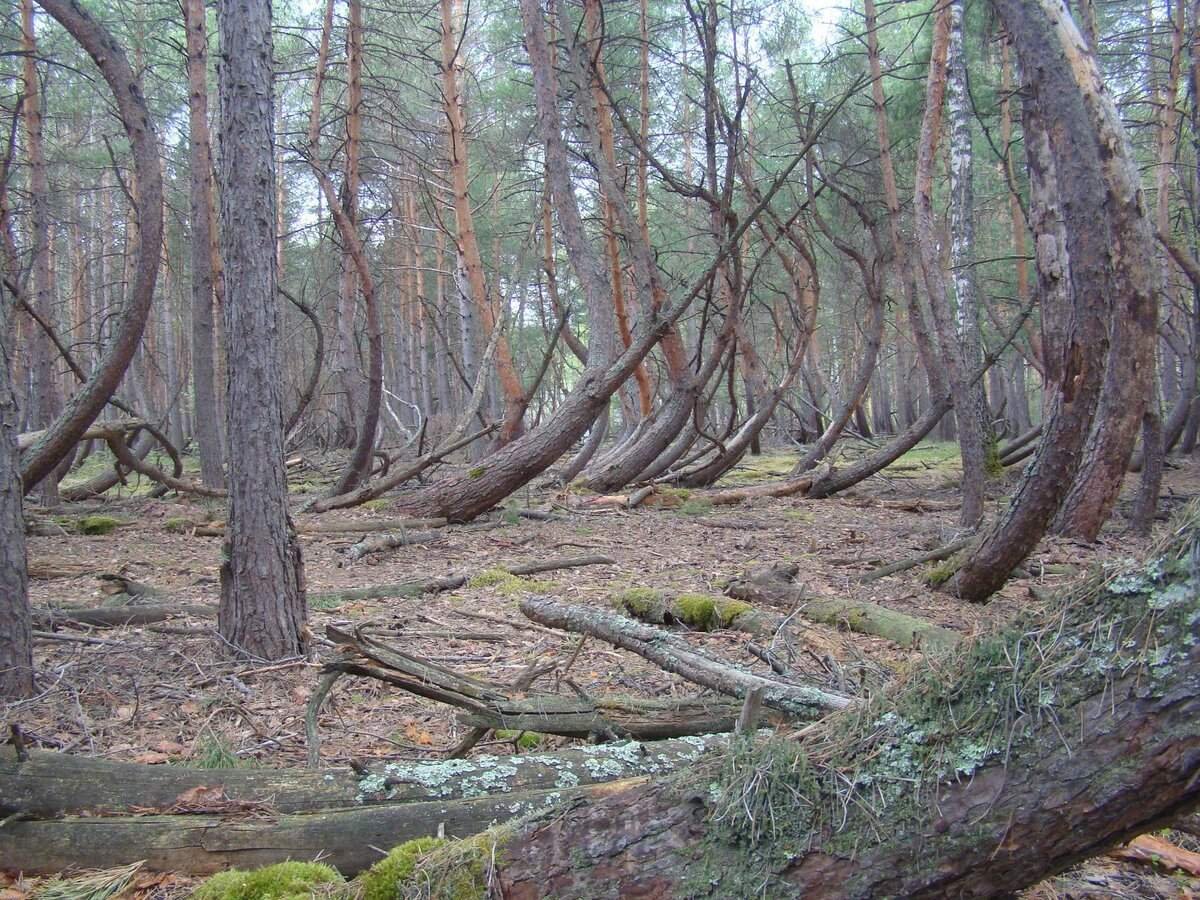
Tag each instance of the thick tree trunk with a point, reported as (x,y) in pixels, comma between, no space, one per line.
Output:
(16,654)
(207,422)
(963,782)
(262,609)
(1094,251)
(82,409)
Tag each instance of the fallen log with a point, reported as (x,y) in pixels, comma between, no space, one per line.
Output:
(97,430)
(1066,733)
(349,839)
(383,542)
(117,616)
(494,706)
(698,612)
(773,584)
(937,555)
(675,655)
(47,785)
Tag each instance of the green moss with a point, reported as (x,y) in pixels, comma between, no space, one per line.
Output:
(676,493)
(97,524)
(382,881)
(697,610)
(507,583)
(178,525)
(942,572)
(728,611)
(282,881)
(450,870)
(992,466)
(377,504)
(476,472)
(525,740)
(697,506)
(643,603)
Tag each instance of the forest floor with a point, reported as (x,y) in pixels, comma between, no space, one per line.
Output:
(137,694)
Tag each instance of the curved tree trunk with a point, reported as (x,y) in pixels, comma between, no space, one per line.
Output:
(1094,251)
(81,410)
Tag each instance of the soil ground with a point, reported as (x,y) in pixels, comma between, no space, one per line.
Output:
(144,695)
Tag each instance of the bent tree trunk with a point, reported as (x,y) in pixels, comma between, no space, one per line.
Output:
(967,781)
(82,409)
(1094,250)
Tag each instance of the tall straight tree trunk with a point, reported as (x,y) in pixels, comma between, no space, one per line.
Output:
(46,397)
(962,230)
(262,611)
(349,375)
(591,12)
(16,647)
(207,422)
(468,241)
(970,438)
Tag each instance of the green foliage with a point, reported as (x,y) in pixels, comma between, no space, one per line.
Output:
(507,583)
(215,753)
(435,868)
(96,525)
(282,881)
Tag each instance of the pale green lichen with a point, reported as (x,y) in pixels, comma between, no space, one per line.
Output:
(282,881)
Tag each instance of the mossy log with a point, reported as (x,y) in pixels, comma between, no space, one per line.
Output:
(1019,754)
(47,785)
(675,655)
(699,612)
(773,584)
(117,616)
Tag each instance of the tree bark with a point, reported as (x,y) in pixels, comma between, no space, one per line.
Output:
(262,610)
(82,409)
(207,422)
(963,782)
(46,400)
(16,648)
(970,436)
(1093,251)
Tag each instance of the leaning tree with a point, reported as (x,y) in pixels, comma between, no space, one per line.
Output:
(16,673)
(1076,727)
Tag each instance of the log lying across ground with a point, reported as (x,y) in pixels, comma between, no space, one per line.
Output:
(486,705)
(204,820)
(673,654)
(773,584)
(47,785)
(1012,758)
(141,613)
